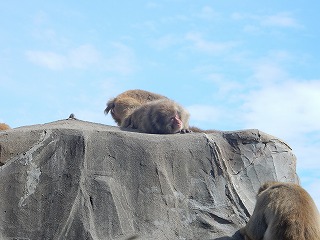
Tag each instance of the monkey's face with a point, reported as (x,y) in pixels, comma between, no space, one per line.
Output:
(176,123)
(170,121)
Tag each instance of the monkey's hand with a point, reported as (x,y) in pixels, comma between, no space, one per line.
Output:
(244,234)
(183,131)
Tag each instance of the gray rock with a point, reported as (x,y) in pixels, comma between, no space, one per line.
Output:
(78,180)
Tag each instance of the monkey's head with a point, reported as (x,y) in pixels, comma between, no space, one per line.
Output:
(167,119)
(265,186)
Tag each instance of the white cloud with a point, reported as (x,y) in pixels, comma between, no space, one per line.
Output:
(283,19)
(86,56)
(205,113)
(271,101)
(122,61)
(225,86)
(208,13)
(268,72)
(47,59)
(287,109)
(280,19)
(83,56)
(40,18)
(146,26)
(207,46)
(153,5)
(165,42)
(306,150)
(249,28)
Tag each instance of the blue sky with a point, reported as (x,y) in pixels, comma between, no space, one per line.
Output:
(233,64)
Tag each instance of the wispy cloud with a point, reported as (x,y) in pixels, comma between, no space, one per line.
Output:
(40,18)
(47,59)
(205,113)
(281,19)
(268,72)
(225,86)
(85,56)
(203,45)
(270,99)
(165,41)
(81,57)
(271,93)
(122,60)
(286,109)
(208,13)
(153,5)
(147,25)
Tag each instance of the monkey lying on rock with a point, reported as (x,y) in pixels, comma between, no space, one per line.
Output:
(148,112)
(122,106)
(162,116)
(284,211)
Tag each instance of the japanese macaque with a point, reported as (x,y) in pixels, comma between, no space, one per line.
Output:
(125,103)
(162,116)
(283,211)
(4,126)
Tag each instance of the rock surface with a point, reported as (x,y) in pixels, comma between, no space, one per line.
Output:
(72,179)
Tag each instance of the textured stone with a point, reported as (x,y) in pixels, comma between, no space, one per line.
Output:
(78,180)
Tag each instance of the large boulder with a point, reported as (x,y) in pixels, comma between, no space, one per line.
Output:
(72,179)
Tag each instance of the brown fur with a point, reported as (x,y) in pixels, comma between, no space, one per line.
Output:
(284,211)
(4,126)
(163,116)
(125,103)
(199,130)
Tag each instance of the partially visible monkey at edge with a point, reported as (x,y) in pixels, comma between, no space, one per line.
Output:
(162,116)
(125,103)
(283,211)
(4,126)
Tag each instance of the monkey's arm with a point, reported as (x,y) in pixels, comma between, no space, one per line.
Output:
(256,227)
(244,234)
(127,122)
